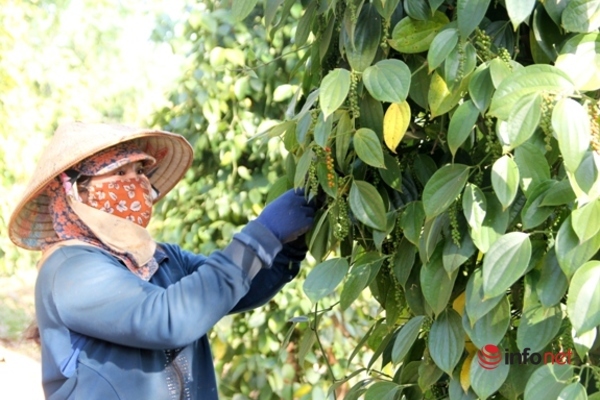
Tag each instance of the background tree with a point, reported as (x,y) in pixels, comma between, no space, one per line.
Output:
(62,60)
(457,142)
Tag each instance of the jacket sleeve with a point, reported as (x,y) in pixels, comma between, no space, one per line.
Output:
(268,282)
(97,298)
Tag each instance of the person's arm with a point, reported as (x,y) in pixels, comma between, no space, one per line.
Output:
(268,282)
(95,296)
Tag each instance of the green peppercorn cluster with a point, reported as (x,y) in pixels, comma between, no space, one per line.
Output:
(313,180)
(504,55)
(342,223)
(353,95)
(594,126)
(462,57)
(384,35)
(546,118)
(353,10)
(492,145)
(596,372)
(483,44)
(453,215)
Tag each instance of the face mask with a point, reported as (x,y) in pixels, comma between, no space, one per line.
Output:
(126,198)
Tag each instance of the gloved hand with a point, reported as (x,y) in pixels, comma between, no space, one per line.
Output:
(289,216)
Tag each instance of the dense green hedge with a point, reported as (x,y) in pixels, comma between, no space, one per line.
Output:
(457,142)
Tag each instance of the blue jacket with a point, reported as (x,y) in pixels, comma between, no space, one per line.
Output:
(106,334)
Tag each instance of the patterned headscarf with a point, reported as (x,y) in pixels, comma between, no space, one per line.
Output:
(68,225)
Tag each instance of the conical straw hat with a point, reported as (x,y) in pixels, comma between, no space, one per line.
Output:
(30,224)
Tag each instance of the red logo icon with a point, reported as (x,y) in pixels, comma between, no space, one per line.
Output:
(489,356)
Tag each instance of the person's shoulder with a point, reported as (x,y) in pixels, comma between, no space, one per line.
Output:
(64,255)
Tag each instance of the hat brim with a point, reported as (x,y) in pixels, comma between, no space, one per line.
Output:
(31,225)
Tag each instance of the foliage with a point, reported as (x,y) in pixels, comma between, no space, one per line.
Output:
(457,142)
(62,60)
(237,85)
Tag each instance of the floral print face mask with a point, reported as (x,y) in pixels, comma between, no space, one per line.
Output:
(126,198)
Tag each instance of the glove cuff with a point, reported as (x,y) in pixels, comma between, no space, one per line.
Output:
(261,240)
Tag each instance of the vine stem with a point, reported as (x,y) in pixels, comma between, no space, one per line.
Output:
(314,329)
(420,68)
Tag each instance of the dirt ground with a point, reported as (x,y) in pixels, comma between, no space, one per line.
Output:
(20,376)
(20,371)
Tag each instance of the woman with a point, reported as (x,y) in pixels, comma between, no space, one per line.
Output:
(120,316)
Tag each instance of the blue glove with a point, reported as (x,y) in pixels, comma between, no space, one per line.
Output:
(289,216)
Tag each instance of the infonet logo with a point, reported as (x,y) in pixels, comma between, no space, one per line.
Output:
(490,356)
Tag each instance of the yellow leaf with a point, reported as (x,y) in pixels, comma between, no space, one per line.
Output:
(441,98)
(465,372)
(459,303)
(470,347)
(395,124)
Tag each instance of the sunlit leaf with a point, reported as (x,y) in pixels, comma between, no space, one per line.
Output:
(474,205)
(441,98)
(334,89)
(533,167)
(441,46)
(570,252)
(388,81)
(461,125)
(494,224)
(519,10)
(584,342)
(505,180)
(414,36)
(581,15)
(575,391)
(583,302)
(572,126)
(367,205)
(586,220)
(481,87)
(580,59)
(505,262)
(324,278)
(524,119)
(531,79)
(368,147)
(548,381)
(395,123)
(443,188)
